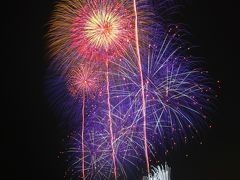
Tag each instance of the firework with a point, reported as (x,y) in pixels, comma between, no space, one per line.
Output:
(160,173)
(142,86)
(96,156)
(95,30)
(91,29)
(176,91)
(98,149)
(102,29)
(82,80)
(154,95)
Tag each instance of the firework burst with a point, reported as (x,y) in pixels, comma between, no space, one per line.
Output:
(96,157)
(102,29)
(91,29)
(98,149)
(160,173)
(176,91)
(94,29)
(83,79)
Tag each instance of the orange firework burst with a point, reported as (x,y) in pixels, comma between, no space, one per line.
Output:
(93,29)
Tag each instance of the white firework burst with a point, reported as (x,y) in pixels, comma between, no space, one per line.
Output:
(159,173)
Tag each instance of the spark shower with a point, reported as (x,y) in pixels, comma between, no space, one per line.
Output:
(127,85)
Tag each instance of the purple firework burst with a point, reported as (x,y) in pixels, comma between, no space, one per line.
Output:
(178,93)
(98,160)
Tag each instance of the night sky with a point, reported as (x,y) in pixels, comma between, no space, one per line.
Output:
(34,135)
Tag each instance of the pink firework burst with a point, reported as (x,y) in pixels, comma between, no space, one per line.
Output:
(102,29)
(83,79)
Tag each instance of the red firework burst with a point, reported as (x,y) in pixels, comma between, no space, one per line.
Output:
(93,29)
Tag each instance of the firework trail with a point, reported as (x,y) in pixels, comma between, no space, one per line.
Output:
(110,121)
(142,85)
(83,121)
(98,148)
(82,80)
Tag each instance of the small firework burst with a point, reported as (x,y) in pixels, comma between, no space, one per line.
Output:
(159,173)
(83,79)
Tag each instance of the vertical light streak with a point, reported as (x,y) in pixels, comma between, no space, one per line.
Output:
(83,112)
(110,122)
(142,86)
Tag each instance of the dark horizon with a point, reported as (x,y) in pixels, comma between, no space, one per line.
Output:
(38,135)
